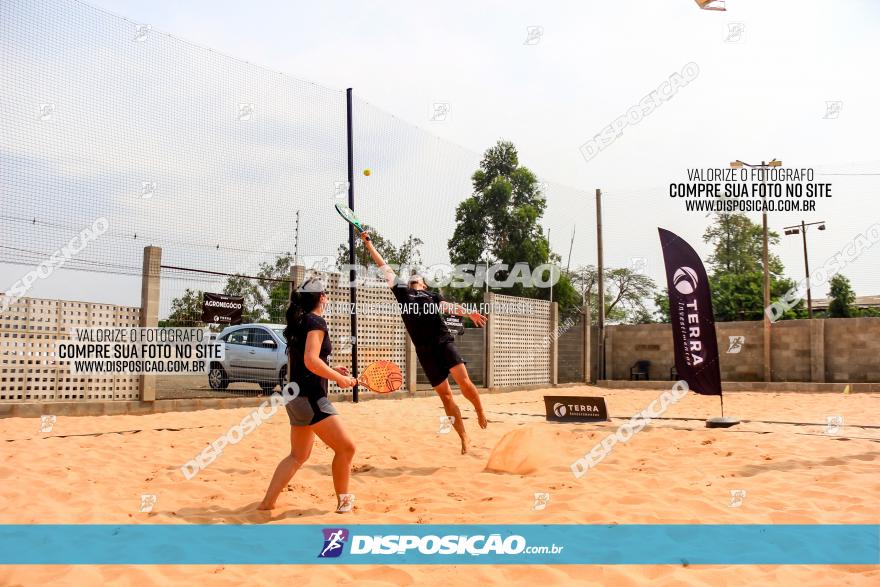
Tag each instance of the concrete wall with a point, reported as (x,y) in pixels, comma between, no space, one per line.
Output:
(852,350)
(833,350)
(789,350)
(571,354)
(653,342)
(30,328)
(472,346)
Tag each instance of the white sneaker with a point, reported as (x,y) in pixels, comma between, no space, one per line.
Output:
(346,503)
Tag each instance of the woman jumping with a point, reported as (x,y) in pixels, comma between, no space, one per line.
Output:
(437,353)
(311,413)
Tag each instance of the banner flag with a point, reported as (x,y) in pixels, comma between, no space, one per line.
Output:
(693,321)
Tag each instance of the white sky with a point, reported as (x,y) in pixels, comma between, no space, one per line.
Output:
(759,98)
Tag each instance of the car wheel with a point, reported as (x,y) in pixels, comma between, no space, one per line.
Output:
(282,377)
(217,377)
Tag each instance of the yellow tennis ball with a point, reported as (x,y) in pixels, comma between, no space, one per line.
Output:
(367,172)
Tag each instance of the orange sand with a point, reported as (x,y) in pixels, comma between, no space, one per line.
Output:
(94,470)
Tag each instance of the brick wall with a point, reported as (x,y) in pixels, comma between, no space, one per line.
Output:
(571,354)
(851,350)
(790,350)
(472,346)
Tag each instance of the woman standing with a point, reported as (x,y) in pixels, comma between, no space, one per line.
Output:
(310,412)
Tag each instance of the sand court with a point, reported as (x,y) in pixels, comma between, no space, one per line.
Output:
(95,470)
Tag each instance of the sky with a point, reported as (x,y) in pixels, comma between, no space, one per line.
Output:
(550,76)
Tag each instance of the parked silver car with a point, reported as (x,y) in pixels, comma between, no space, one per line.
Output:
(255,353)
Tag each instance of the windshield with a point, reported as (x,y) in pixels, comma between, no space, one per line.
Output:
(280,333)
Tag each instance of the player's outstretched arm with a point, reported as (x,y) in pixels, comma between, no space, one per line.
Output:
(368,244)
(377,258)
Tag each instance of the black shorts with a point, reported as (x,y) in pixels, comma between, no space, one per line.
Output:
(305,411)
(437,360)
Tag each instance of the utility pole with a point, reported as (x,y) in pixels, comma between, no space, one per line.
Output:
(486,247)
(768,364)
(600,344)
(296,242)
(802,229)
(570,249)
(551,270)
(764,166)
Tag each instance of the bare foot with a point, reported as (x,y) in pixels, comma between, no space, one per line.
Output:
(464,445)
(481,418)
(264,506)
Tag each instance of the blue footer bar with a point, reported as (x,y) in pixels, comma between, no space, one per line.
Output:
(557,544)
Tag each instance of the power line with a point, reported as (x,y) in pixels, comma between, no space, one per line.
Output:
(134,236)
(226,274)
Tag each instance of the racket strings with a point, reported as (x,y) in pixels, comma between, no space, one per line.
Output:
(378,377)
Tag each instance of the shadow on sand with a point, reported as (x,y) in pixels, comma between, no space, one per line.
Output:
(246,514)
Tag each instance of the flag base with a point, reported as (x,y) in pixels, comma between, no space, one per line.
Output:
(725,422)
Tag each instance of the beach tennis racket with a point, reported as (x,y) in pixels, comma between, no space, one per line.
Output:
(349,216)
(381,377)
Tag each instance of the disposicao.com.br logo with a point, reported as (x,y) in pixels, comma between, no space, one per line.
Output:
(334,541)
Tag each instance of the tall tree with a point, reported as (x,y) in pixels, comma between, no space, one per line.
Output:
(740,296)
(843,298)
(499,224)
(626,293)
(275,293)
(185,310)
(254,298)
(737,269)
(738,245)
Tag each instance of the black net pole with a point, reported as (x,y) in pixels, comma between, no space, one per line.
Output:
(351,256)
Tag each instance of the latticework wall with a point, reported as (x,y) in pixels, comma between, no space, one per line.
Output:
(381,333)
(520,341)
(29,369)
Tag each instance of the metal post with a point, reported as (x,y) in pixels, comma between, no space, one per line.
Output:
(600,343)
(807,267)
(768,370)
(296,242)
(351,256)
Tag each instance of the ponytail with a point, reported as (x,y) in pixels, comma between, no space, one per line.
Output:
(302,301)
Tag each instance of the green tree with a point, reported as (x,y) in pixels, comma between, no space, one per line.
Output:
(252,295)
(185,310)
(408,253)
(661,300)
(265,295)
(843,298)
(499,224)
(626,293)
(738,245)
(274,294)
(740,296)
(737,267)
